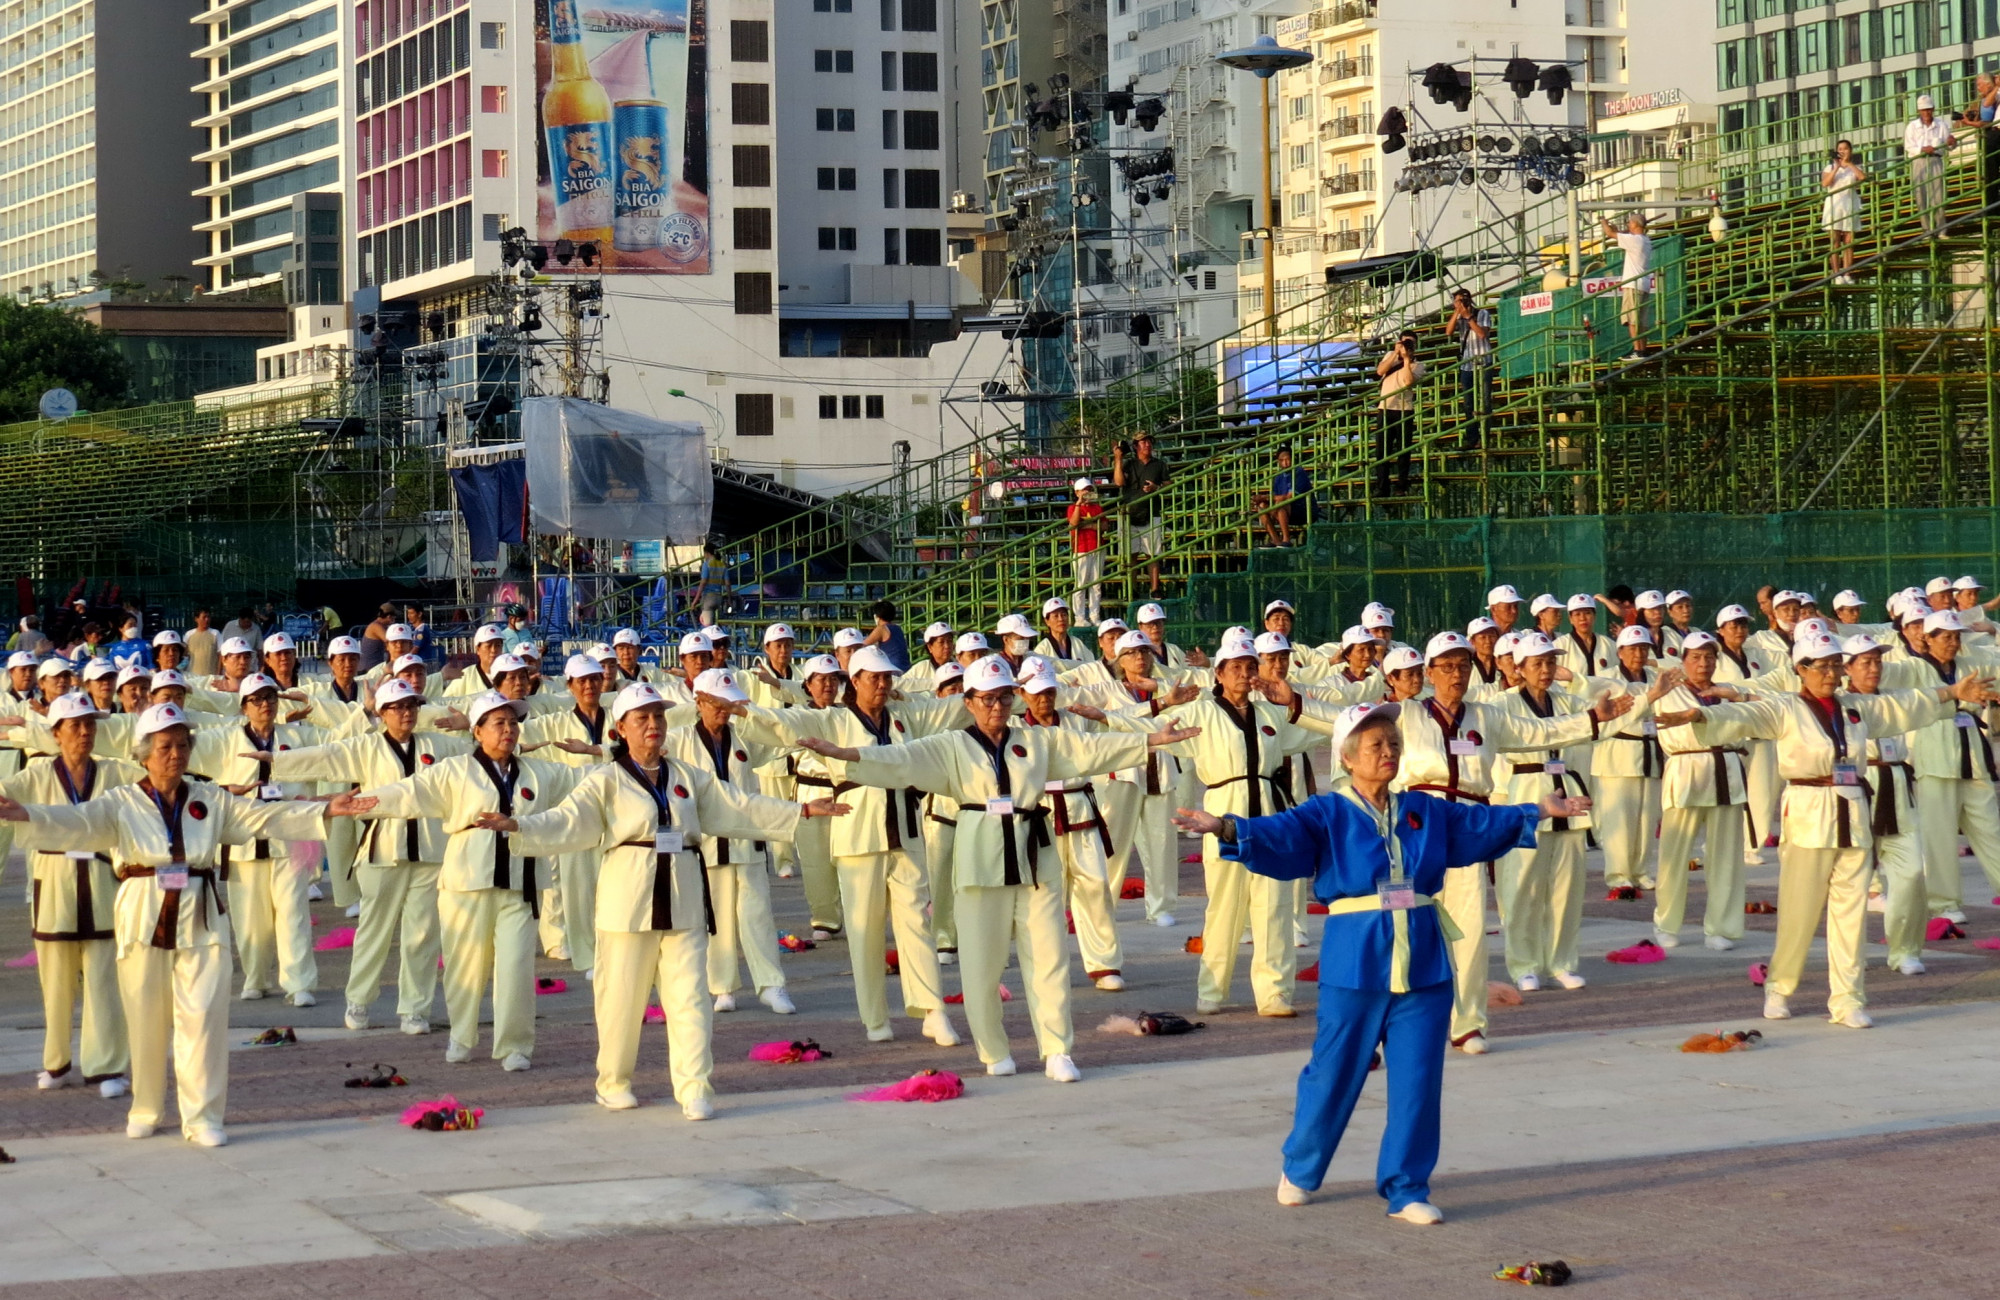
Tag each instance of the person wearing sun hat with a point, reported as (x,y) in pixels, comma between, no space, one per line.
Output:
(1057,644)
(488,643)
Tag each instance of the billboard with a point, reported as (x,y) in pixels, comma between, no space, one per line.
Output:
(621,95)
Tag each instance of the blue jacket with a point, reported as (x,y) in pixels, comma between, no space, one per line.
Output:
(1334,843)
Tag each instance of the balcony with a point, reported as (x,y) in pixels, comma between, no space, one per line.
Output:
(1342,11)
(1349,183)
(1346,69)
(1344,241)
(1333,128)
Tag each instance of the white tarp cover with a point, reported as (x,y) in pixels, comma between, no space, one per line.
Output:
(597,471)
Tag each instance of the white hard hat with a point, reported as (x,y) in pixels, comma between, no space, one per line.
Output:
(1650,600)
(872,659)
(1272,643)
(1054,604)
(1504,594)
(936,630)
(74,705)
(278,642)
(848,637)
(636,696)
(581,666)
(1150,613)
(968,641)
(1354,715)
(159,718)
(1400,658)
(1696,640)
(827,665)
(342,645)
(168,637)
(396,691)
(1542,602)
(254,683)
(779,632)
(1634,635)
(626,636)
(487,701)
(1445,643)
(720,683)
(1532,644)
(990,674)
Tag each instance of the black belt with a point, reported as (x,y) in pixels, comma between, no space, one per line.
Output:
(1522,769)
(1063,823)
(1655,756)
(1038,839)
(912,802)
(663,886)
(821,782)
(1885,821)
(167,930)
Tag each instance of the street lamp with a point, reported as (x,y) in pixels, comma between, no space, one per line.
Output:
(1265,57)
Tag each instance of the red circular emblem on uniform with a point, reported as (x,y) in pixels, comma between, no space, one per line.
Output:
(1269,731)
(1019,752)
(425,759)
(1854,715)
(1415,825)
(198,810)
(899,724)
(680,792)
(742,757)
(526,793)
(1475,738)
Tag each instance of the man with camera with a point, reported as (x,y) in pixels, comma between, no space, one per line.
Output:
(1400,372)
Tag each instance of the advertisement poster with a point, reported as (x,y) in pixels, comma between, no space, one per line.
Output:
(622,98)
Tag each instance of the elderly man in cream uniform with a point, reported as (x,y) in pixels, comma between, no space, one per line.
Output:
(1740,660)
(1626,771)
(578,737)
(1139,802)
(1503,606)
(1702,793)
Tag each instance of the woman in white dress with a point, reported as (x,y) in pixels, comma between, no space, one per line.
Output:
(1840,214)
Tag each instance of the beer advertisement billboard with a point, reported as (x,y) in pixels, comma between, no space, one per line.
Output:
(621,95)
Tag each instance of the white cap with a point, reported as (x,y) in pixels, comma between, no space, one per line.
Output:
(1943,620)
(254,683)
(234,645)
(581,666)
(694,643)
(1015,625)
(1234,649)
(636,696)
(1443,644)
(489,632)
(970,641)
(715,632)
(399,632)
(1479,625)
(527,650)
(1967,583)
(1813,626)
(1806,598)
(1082,485)
(990,674)
(951,672)
(487,701)
(779,632)
(1150,613)
(1814,647)
(1237,632)
(1676,596)
(396,691)
(1112,625)
(279,642)
(1532,644)
(1731,614)
(1053,605)
(1039,682)
(1400,658)
(1650,600)
(849,636)
(601,652)
(1505,645)
(1784,597)
(99,668)
(1924,102)
(1936,585)
(1856,646)
(1504,594)
(1378,616)
(1848,598)
(23,659)
(508,664)
(1134,640)
(626,636)
(168,637)
(160,717)
(1277,605)
(872,659)
(342,645)
(54,667)
(1634,635)
(1034,664)
(827,665)
(74,705)
(1697,639)
(1581,600)
(1272,643)
(133,673)
(404,662)
(169,677)
(1542,602)
(1354,636)
(721,683)
(1354,715)
(936,630)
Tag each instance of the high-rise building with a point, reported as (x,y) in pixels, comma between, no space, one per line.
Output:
(95,151)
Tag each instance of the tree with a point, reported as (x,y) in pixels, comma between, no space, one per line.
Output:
(44,347)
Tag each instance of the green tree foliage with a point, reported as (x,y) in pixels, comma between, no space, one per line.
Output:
(43,347)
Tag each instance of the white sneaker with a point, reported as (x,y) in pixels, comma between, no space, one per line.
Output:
(937,1028)
(778,1000)
(1111,983)
(515,1062)
(251,995)
(1203,1007)
(1716,943)
(883,1035)
(1060,1068)
(1474,1044)
(313,894)
(725,1002)
(1752,858)
(946,957)
(353,911)
(1648,882)
(133,1129)
(1855,1019)
(1777,1007)
(50,1082)
(356,1016)
(1909,966)
(456,1054)
(1421,1213)
(113,1088)
(414,1025)
(209,1135)
(1290,1193)
(590,976)
(1529,983)
(1666,940)
(302,999)
(698,1108)
(1001,1068)
(1877,903)
(558,954)
(1569,979)
(821,936)
(1165,919)
(620,1100)
(1954,915)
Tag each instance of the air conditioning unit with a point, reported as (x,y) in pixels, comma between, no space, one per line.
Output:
(1132,35)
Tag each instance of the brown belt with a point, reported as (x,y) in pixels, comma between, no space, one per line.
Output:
(1843,817)
(1453,792)
(166,931)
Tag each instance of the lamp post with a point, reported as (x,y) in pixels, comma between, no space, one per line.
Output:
(1265,57)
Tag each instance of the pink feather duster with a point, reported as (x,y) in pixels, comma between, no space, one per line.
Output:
(1638,954)
(341,938)
(924,1085)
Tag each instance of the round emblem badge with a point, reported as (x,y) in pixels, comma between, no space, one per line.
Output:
(198,810)
(682,239)
(1019,752)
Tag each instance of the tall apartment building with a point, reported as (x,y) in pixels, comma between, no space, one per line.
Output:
(95,170)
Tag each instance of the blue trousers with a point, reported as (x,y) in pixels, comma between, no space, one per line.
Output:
(1411,1028)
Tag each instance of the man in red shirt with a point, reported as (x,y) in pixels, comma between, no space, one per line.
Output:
(1088,567)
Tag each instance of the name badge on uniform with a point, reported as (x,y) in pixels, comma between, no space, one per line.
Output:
(670,842)
(1053,787)
(1001,807)
(1557,768)
(79,855)
(1964,720)
(270,792)
(1650,727)
(1396,895)
(1846,774)
(173,878)
(1463,748)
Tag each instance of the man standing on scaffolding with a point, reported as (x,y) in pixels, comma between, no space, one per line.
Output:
(1145,525)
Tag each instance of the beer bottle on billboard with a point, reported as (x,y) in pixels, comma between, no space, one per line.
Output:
(576,114)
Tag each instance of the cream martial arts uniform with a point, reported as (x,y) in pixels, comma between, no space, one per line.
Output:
(778,777)
(1457,759)
(649,835)
(1083,846)
(814,845)
(173,945)
(397,867)
(1955,777)
(487,888)
(570,929)
(337,712)
(1005,869)
(1076,650)
(739,871)
(1702,793)
(70,920)
(1597,659)
(1237,757)
(878,852)
(1761,801)
(1625,772)
(1138,805)
(269,909)
(1899,846)
(1823,855)
(1541,888)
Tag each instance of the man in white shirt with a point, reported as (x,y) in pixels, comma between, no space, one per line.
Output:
(1924,143)
(1635,279)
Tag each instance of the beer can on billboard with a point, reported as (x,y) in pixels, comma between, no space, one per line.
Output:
(639,127)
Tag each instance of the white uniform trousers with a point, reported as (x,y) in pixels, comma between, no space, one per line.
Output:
(397,902)
(741,892)
(940,838)
(1946,808)
(1142,828)
(576,883)
(1541,904)
(1766,789)
(342,837)
(1722,869)
(822,882)
(629,966)
(65,966)
(178,999)
(1812,882)
(776,780)
(877,891)
(1624,810)
(272,918)
(1092,905)
(1905,903)
(1464,900)
(489,934)
(1032,917)
(552,927)
(1236,897)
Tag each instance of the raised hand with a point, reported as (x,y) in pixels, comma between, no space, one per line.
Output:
(827,749)
(1197,659)
(1171,736)
(1197,822)
(349,804)
(1090,711)
(1613,706)
(493,821)
(824,808)
(1275,689)
(1556,805)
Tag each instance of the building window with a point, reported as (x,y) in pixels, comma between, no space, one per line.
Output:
(750,103)
(1301,204)
(750,165)
(829,407)
(888,67)
(1301,105)
(920,129)
(872,406)
(755,415)
(892,247)
(492,36)
(922,188)
(833,60)
(753,227)
(892,188)
(492,99)
(833,6)
(749,42)
(889,132)
(888,15)
(836,239)
(926,247)
(850,406)
(753,293)
(833,119)
(836,178)
(919,15)
(493,162)
(920,72)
